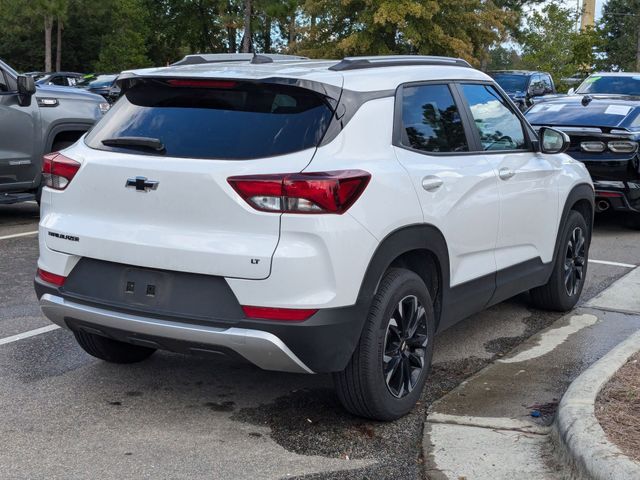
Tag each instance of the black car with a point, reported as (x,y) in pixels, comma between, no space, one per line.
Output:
(104,85)
(524,86)
(62,79)
(602,118)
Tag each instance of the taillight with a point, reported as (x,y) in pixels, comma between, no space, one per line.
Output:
(284,314)
(49,277)
(319,192)
(58,170)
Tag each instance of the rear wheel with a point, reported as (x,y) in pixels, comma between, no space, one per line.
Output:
(387,372)
(562,291)
(633,220)
(111,350)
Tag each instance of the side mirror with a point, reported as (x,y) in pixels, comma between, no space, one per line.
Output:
(26,89)
(571,91)
(553,141)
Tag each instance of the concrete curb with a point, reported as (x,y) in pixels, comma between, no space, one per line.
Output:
(583,444)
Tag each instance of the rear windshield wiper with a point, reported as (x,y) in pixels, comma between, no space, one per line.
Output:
(135,142)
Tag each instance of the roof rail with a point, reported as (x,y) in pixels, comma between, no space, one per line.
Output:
(200,58)
(357,63)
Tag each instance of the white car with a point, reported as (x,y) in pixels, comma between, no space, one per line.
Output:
(309,216)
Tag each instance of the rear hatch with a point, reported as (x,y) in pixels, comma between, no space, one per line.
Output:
(152,189)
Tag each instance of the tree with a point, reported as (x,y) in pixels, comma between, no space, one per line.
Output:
(247,42)
(550,43)
(621,34)
(463,28)
(125,46)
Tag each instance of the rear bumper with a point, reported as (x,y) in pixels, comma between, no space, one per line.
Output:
(260,348)
(624,197)
(323,343)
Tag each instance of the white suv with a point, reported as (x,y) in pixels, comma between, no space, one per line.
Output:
(308,216)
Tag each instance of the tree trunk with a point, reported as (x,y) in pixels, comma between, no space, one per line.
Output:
(267,34)
(59,46)
(231,35)
(48,27)
(292,32)
(638,52)
(246,41)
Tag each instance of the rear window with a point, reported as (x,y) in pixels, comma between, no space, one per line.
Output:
(215,119)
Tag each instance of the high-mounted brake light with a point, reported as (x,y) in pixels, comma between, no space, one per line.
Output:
(202,83)
(58,170)
(310,193)
(52,278)
(284,314)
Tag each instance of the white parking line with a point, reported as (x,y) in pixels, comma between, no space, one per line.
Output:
(30,333)
(16,235)
(615,264)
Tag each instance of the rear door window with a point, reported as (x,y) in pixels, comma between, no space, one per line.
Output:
(431,120)
(216,119)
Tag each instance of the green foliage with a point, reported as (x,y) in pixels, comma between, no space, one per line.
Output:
(125,45)
(551,43)
(111,35)
(621,27)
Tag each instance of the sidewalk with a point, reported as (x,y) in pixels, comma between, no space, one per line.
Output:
(496,425)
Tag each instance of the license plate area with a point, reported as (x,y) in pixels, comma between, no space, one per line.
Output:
(178,296)
(145,287)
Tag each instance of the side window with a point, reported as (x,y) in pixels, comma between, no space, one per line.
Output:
(548,84)
(3,83)
(431,121)
(58,81)
(498,126)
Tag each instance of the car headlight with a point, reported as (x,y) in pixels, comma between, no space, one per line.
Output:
(593,147)
(104,107)
(622,146)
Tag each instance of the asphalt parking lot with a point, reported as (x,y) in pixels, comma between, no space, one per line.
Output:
(68,415)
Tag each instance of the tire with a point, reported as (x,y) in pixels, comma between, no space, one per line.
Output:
(363,387)
(633,220)
(110,350)
(561,293)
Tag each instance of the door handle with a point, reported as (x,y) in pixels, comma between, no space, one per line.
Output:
(431,183)
(506,173)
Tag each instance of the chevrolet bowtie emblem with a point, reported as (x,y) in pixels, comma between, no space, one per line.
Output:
(142,184)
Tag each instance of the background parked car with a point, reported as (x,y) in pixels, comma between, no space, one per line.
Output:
(63,79)
(100,85)
(524,86)
(602,117)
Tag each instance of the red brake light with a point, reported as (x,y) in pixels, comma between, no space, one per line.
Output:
(51,277)
(319,192)
(286,314)
(202,83)
(58,170)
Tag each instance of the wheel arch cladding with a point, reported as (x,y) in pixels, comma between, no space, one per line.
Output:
(581,199)
(419,248)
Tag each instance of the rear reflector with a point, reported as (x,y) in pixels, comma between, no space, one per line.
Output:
(318,192)
(58,170)
(49,277)
(285,314)
(608,194)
